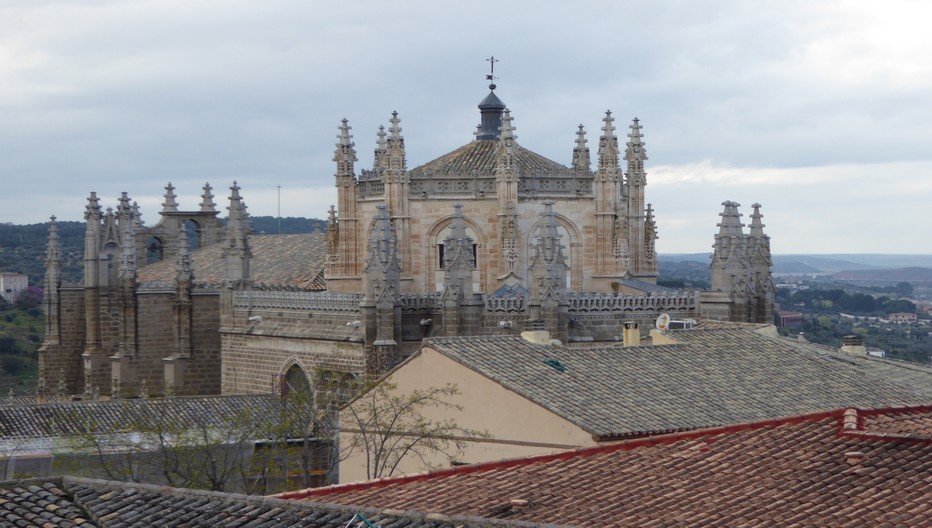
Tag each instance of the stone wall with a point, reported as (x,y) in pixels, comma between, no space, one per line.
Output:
(61,360)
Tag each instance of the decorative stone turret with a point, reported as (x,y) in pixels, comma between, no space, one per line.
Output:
(581,162)
(506,180)
(93,357)
(237,255)
(761,265)
(548,302)
(207,200)
(122,373)
(343,261)
(175,365)
(461,306)
(607,204)
(642,267)
(170,205)
(383,278)
(396,192)
(52,285)
(741,268)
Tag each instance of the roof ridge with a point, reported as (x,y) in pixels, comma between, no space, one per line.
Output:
(622,445)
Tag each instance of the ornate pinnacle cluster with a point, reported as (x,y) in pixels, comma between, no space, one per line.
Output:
(381,150)
(382,267)
(207,199)
(345,154)
(635,154)
(237,241)
(608,143)
(170,205)
(92,210)
(53,252)
(581,160)
(395,145)
(548,265)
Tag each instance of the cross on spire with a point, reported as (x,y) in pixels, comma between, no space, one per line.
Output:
(491,76)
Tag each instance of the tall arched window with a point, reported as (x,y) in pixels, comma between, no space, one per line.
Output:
(296,382)
(153,250)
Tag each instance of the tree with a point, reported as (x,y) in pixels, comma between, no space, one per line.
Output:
(903,289)
(156,440)
(387,427)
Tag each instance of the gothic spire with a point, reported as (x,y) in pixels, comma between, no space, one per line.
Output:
(92,210)
(608,143)
(581,151)
(396,145)
(128,251)
(635,154)
(207,199)
(53,251)
(124,208)
(237,241)
(170,205)
(345,154)
(757,228)
(381,148)
(731,220)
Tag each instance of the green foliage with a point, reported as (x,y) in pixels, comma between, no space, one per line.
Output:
(20,333)
(684,274)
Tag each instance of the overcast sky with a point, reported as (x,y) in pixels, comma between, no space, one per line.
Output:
(820,111)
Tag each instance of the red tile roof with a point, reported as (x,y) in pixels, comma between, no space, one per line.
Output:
(837,468)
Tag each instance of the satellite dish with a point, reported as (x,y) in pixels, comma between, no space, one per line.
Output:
(663,322)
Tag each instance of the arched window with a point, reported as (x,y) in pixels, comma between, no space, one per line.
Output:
(192,231)
(440,252)
(296,382)
(154,250)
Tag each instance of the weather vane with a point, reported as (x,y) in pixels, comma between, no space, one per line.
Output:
(491,76)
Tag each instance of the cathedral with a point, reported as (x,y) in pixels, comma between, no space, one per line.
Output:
(488,239)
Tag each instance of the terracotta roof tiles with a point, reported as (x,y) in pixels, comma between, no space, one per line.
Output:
(784,472)
(87,503)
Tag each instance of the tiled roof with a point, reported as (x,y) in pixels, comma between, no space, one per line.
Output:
(479,157)
(279,261)
(87,503)
(717,376)
(42,420)
(801,471)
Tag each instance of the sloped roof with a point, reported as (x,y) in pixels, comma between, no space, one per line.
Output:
(43,420)
(479,157)
(279,261)
(716,376)
(88,503)
(785,472)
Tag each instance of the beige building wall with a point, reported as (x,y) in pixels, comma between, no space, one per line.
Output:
(516,427)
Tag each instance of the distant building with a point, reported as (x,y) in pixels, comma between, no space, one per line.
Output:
(11,284)
(787,319)
(903,317)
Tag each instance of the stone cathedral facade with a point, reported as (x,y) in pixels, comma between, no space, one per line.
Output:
(488,239)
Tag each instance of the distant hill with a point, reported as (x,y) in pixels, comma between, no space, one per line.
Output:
(912,274)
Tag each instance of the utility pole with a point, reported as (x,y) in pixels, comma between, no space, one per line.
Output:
(279,209)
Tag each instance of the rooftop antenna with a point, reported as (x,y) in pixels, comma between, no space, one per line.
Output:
(279,209)
(491,76)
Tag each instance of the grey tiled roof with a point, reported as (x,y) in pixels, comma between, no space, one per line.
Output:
(42,420)
(84,503)
(716,376)
(279,261)
(480,157)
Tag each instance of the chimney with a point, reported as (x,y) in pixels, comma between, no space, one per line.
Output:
(631,335)
(853,344)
